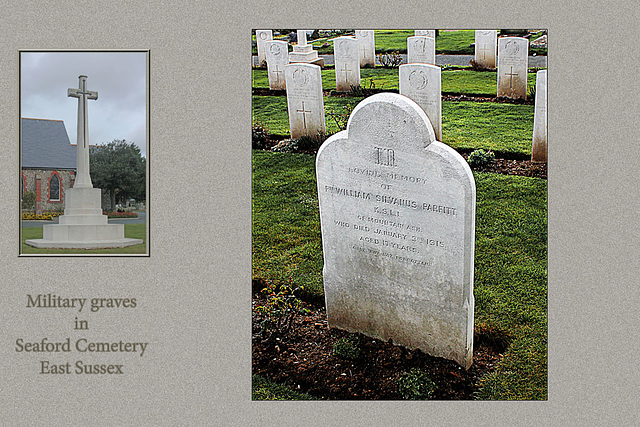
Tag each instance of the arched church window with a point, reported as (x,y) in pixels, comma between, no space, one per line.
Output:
(54,187)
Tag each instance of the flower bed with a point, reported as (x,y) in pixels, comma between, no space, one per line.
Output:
(120,214)
(45,216)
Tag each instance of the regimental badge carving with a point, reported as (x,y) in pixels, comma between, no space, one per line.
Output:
(275,49)
(263,35)
(343,48)
(300,77)
(511,47)
(418,80)
(485,33)
(363,34)
(420,45)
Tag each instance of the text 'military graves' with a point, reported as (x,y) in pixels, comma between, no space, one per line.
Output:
(513,59)
(422,83)
(397,211)
(347,63)
(421,49)
(485,47)
(304,99)
(277,54)
(539,145)
(366,47)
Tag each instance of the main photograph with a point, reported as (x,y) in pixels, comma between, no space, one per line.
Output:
(399,215)
(83,153)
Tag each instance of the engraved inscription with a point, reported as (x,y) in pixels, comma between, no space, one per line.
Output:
(384,156)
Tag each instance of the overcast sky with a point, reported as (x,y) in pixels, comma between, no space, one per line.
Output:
(118,77)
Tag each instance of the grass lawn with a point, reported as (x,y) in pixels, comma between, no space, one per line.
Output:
(503,128)
(510,260)
(133,231)
(453,81)
(448,42)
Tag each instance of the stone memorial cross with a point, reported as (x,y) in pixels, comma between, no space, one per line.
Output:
(83,179)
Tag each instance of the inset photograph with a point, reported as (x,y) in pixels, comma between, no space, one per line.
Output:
(84,144)
(399,214)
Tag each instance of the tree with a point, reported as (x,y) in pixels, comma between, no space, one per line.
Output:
(119,168)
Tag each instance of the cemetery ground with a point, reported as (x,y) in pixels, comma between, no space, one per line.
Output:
(303,358)
(133,231)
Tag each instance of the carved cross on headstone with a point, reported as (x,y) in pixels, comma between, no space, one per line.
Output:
(304,116)
(83,179)
(345,70)
(483,49)
(511,74)
(277,72)
(364,50)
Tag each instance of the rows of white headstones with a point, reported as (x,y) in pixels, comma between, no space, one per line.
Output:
(419,79)
(397,206)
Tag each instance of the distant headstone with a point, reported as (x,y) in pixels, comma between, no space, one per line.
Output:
(421,49)
(277,55)
(428,33)
(539,146)
(397,213)
(262,36)
(485,48)
(513,58)
(347,63)
(303,52)
(304,99)
(366,48)
(422,83)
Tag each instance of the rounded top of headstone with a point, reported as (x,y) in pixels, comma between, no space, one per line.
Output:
(392,119)
(82,76)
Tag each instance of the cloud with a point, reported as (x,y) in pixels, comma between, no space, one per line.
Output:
(118,77)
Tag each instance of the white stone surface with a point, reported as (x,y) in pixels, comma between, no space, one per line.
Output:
(486,44)
(304,99)
(397,212)
(428,33)
(366,47)
(347,63)
(82,225)
(277,54)
(422,83)
(421,49)
(262,36)
(539,145)
(303,52)
(513,59)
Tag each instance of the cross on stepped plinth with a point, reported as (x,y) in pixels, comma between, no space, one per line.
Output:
(83,179)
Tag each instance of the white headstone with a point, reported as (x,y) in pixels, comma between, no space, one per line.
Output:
(422,83)
(513,59)
(539,146)
(304,99)
(277,54)
(485,47)
(421,49)
(397,213)
(366,47)
(428,33)
(347,63)
(262,36)
(82,226)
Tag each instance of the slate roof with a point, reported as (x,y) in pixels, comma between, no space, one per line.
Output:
(45,145)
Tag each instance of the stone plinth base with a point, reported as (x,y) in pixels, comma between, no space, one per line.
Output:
(83,226)
(306,55)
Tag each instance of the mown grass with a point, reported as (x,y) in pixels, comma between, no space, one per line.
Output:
(510,259)
(461,81)
(456,42)
(503,128)
(133,231)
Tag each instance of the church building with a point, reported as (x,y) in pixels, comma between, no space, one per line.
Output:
(48,163)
